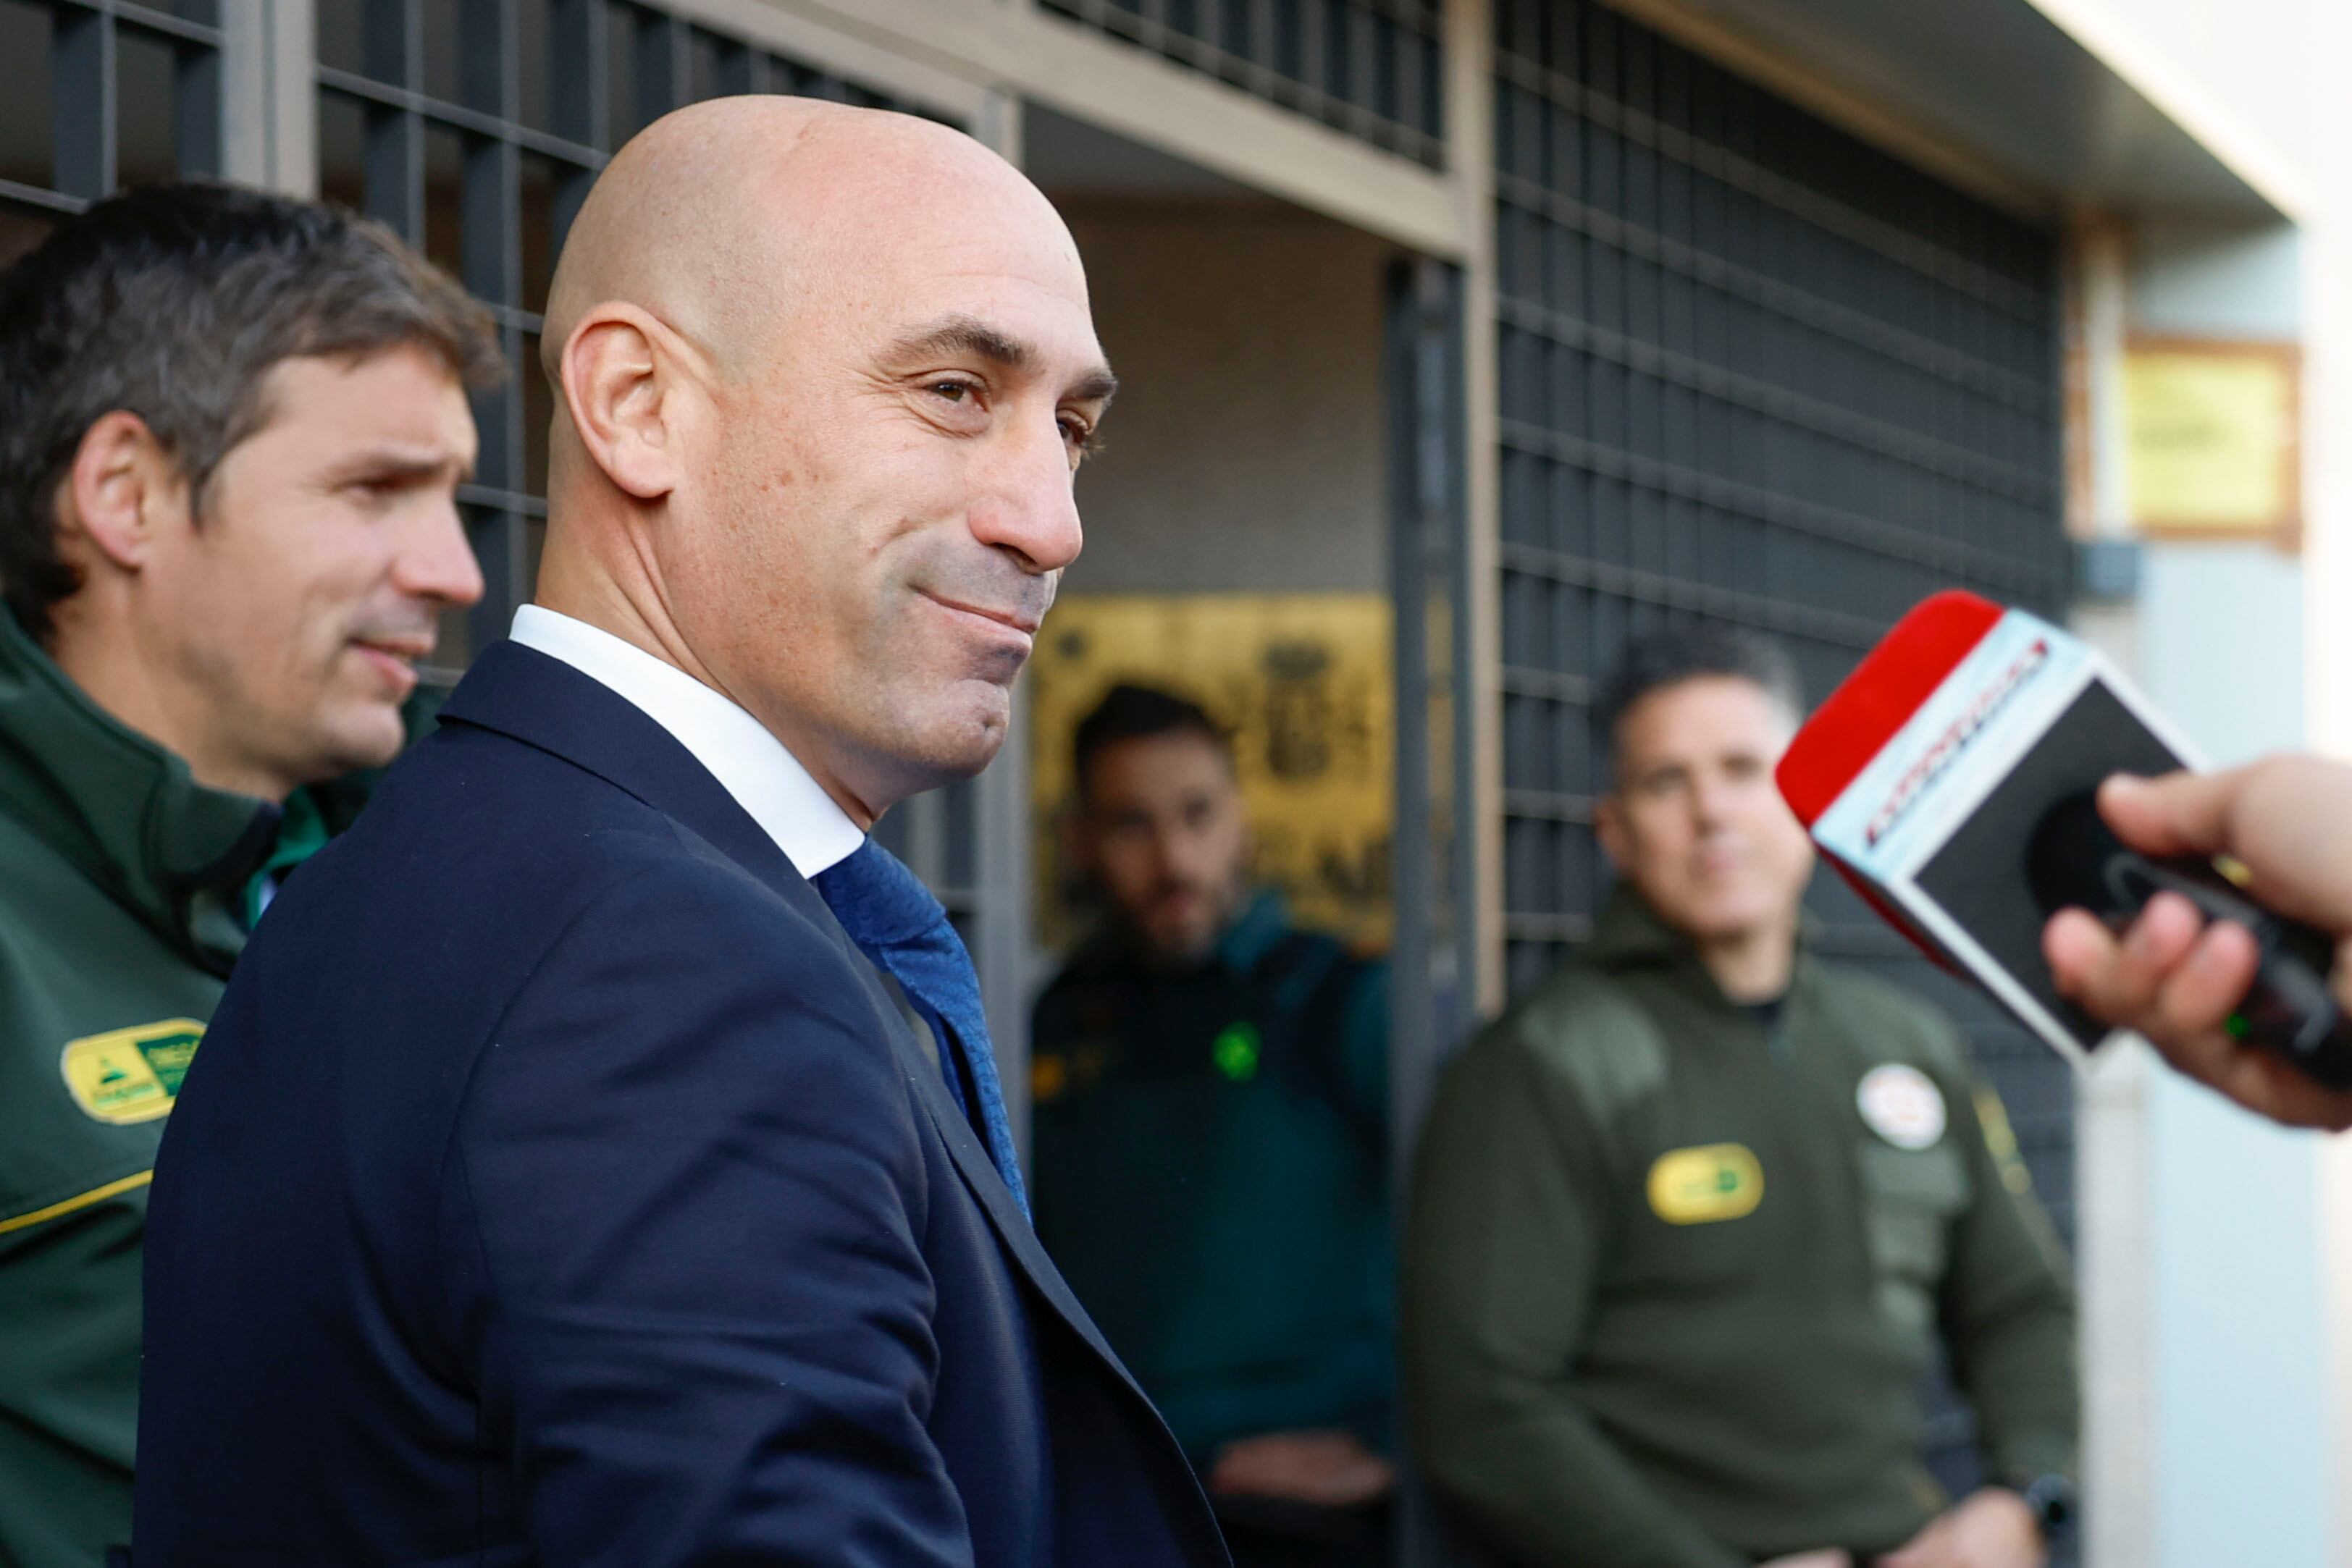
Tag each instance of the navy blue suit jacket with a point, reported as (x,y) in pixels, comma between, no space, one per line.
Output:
(559,1185)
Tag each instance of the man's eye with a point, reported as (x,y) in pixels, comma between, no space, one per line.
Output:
(954,392)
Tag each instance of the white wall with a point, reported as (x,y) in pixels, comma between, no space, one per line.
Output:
(1244,448)
(2233,1319)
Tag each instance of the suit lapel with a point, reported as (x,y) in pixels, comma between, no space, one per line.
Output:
(543,702)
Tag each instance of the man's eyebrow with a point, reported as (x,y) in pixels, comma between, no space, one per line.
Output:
(1097,385)
(966,335)
(399,464)
(969,335)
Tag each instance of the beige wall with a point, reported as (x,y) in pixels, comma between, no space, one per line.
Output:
(1245,449)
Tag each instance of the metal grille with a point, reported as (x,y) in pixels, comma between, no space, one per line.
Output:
(1756,370)
(1371,67)
(474,127)
(131,94)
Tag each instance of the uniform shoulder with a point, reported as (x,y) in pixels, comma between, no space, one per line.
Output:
(1905,1024)
(1579,1029)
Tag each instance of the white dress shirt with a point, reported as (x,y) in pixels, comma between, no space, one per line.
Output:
(751,764)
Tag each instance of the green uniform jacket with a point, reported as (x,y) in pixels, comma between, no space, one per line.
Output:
(1672,1279)
(122,884)
(1210,1160)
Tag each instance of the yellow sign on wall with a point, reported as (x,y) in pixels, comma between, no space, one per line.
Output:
(1303,684)
(2211,438)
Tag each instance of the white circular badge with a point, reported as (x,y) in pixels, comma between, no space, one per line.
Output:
(1902,1105)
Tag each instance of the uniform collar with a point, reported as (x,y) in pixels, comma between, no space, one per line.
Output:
(1629,933)
(122,810)
(1250,938)
(1107,950)
(751,764)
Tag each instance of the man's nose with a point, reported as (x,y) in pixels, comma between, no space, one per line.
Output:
(436,561)
(1029,505)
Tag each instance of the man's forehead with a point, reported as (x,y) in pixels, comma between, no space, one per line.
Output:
(1704,716)
(402,394)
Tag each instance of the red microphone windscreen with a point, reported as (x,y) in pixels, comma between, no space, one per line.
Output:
(1875,701)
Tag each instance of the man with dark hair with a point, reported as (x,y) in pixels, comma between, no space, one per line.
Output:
(1690,1220)
(1209,1086)
(232,427)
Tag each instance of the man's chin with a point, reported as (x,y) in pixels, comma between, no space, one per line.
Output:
(362,737)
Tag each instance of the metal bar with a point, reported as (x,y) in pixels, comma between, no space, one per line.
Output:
(502,544)
(1548,806)
(1797,200)
(1413,1032)
(383,95)
(1544,926)
(488,68)
(394,177)
(1551,686)
(492,497)
(392,42)
(741,68)
(2034,486)
(1312,98)
(17,193)
(661,65)
(204,28)
(1913,350)
(1001,920)
(1991,568)
(83,121)
(578,56)
(200,131)
(1851,632)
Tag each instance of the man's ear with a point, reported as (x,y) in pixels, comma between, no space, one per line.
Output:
(620,380)
(1609,826)
(121,493)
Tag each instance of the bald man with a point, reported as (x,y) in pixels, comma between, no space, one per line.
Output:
(674,1219)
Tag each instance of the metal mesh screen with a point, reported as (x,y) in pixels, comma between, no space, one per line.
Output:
(1371,67)
(1754,370)
(102,94)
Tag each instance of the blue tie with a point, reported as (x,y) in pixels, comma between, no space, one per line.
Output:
(896,922)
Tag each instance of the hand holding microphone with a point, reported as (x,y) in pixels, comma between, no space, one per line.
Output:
(2180,980)
(1955,778)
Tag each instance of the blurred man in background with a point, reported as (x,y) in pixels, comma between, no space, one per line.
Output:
(1210,1085)
(232,427)
(1691,1218)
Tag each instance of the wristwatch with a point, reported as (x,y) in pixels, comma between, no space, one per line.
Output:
(2050,1497)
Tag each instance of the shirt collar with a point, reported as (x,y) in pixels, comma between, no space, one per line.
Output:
(1262,924)
(751,765)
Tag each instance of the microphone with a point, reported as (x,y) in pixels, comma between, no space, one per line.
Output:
(1950,781)
(2075,860)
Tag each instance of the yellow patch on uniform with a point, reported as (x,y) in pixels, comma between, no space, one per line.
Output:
(131,1075)
(1703,1185)
(2002,1139)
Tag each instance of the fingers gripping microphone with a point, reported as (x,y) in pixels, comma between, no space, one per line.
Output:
(1950,781)
(2075,862)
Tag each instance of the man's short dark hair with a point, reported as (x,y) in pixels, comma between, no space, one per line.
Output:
(173,302)
(1140,713)
(1662,659)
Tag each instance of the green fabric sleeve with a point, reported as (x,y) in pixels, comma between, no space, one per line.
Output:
(1507,1217)
(2006,1309)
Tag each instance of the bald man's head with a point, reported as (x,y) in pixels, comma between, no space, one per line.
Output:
(824,378)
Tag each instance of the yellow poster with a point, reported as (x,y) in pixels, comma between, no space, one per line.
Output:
(1300,681)
(2210,437)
